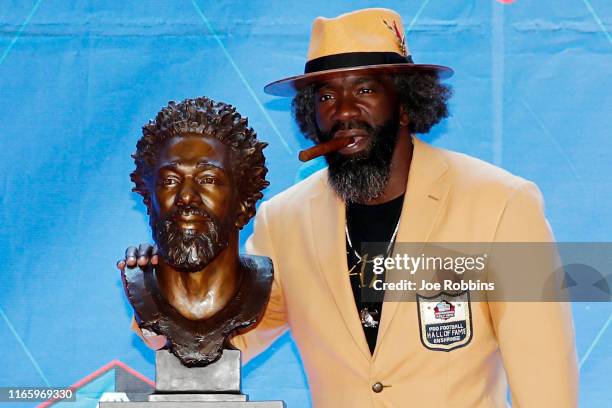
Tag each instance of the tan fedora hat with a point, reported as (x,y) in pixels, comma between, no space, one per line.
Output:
(368,41)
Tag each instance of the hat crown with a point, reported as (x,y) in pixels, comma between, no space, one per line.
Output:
(367,30)
(369,41)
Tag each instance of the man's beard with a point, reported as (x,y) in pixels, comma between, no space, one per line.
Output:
(363,176)
(185,249)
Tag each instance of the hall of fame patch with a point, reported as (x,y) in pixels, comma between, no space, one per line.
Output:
(445,320)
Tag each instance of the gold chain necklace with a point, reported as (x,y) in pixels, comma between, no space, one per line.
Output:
(387,252)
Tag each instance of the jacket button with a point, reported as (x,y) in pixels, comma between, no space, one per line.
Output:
(377,387)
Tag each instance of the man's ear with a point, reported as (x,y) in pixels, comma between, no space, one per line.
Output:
(244,213)
(404,118)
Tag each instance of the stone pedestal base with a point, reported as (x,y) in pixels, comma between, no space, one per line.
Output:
(215,386)
(222,376)
(197,397)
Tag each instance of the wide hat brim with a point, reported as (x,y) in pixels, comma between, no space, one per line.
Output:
(290,86)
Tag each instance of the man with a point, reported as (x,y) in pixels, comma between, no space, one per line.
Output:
(200,170)
(385,185)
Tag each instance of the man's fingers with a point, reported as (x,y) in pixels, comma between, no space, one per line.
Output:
(130,252)
(154,255)
(130,256)
(121,264)
(144,254)
(139,256)
(144,250)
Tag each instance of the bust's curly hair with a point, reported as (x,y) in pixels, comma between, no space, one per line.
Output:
(422,95)
(203,116)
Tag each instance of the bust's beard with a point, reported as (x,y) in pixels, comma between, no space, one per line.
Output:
(363,176)
(188,250)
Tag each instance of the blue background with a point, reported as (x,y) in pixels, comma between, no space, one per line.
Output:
(79,78)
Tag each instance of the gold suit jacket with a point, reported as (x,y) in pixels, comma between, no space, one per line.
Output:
(450,197)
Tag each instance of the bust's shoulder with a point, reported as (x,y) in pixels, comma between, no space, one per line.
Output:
(259,268)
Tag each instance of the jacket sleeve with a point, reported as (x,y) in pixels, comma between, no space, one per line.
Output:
(536,338)
(274,321)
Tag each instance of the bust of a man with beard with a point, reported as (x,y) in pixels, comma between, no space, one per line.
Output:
(200,170)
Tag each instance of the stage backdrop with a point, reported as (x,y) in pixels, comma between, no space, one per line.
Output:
(79,78)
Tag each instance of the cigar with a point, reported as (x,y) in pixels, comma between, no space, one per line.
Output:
(324,148)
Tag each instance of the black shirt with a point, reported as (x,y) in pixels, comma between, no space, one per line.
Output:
(369,223)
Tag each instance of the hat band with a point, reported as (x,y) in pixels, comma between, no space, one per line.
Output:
(355,59)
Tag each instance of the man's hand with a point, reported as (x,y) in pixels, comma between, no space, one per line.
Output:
(142,256)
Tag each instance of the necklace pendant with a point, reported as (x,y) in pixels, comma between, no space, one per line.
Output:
(367,317)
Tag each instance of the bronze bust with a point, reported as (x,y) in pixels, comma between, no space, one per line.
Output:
(200,170)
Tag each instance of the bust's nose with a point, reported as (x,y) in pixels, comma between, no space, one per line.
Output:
(188,195)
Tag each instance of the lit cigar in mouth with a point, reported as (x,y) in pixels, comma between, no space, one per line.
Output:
(321,149)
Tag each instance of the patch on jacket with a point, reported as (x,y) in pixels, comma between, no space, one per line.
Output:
(445,320)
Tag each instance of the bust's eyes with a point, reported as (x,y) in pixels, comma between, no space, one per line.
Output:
(207,179)
(169,180)
(172,180)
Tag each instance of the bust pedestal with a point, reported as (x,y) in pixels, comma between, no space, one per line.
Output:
(216,385)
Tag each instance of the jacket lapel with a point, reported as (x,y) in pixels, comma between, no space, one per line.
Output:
(425,196)
(328,218)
